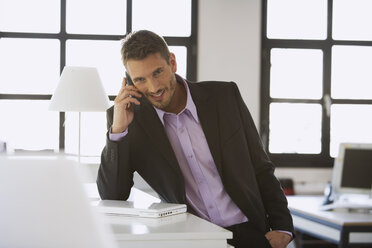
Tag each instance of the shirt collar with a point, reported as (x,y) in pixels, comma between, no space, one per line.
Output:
(190,105)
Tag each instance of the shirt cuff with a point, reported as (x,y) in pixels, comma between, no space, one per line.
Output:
(289,233)
(117,136)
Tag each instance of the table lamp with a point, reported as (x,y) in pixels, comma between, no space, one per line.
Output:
(79,90)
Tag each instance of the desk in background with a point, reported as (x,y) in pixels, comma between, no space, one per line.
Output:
(347,229)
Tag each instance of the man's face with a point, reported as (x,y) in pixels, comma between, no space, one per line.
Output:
(155,79)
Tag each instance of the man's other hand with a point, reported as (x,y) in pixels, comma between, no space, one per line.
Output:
(278,239)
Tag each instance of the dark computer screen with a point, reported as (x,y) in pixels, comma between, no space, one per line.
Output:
(357,169)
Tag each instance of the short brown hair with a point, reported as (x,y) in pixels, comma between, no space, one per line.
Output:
(139,44)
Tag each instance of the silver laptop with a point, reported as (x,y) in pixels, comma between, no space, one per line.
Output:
(141,209)
(44,204)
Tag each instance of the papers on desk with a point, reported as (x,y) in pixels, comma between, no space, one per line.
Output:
(348,206)
(129,208)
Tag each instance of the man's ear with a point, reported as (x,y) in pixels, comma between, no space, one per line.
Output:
(173,62)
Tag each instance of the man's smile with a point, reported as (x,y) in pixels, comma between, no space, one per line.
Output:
(158,95)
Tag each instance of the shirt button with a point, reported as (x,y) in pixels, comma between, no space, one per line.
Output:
(210,206)
(191,156)
(181,130)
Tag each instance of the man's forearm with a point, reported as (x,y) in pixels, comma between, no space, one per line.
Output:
(115,178)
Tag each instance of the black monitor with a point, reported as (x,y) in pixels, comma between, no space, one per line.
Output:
(352,172)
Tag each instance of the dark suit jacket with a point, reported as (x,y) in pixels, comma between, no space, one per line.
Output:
(244,167)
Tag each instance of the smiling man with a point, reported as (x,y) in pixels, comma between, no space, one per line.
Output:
(194,143)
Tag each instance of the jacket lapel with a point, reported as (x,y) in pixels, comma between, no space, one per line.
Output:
(154,129)
(208,115)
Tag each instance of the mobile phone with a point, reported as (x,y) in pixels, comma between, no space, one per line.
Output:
(130,82)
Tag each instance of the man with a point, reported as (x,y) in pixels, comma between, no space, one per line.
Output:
(194,143)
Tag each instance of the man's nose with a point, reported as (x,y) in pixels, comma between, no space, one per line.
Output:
(154,85)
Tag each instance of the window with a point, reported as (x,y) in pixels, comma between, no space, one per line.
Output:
(316,83)
(38,38)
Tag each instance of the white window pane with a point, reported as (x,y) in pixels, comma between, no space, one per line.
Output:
(27,124)
(295,128)
(297,19)
(296,73)
(181,58)
(350,123)
(29,66)
(96,16)
(93,133)
(164,17)
(352,20)
(104,55)
(351,72)
(30,16)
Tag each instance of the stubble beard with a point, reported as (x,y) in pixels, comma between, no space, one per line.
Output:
(171,89)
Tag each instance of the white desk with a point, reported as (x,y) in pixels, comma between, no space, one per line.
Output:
(346,229)
(182,230)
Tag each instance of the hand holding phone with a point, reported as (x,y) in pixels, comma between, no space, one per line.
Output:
(123,113)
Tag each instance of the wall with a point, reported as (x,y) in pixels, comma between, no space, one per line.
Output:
(229,46)
(229,43)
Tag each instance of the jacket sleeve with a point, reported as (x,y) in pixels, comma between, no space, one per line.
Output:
(272,195)
(115,176)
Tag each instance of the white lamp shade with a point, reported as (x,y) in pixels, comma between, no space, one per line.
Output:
(79,89)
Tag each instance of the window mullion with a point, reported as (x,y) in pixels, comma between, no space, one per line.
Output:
(129,16)
(327,62)
(62,39)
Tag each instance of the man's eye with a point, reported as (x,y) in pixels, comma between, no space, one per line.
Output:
(140,80)
(158,72)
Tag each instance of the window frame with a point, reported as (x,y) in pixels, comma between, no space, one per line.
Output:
(291,159)
(189,42)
